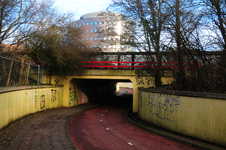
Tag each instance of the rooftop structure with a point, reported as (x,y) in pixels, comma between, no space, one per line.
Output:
(106,30)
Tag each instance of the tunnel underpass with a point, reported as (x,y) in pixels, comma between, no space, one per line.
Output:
(97,89)
(106,127)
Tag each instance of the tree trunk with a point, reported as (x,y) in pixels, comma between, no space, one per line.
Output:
(181,73)
(21,72)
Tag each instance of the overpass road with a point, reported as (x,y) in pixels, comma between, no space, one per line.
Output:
(106,127)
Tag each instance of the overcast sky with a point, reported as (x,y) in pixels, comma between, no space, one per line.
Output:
(81,7)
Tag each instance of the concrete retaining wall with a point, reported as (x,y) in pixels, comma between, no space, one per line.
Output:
(17,102)
(198,115)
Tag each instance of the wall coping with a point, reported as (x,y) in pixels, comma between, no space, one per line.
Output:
(185,93)
(18,88)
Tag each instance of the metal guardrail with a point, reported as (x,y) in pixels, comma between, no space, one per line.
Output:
(129,65)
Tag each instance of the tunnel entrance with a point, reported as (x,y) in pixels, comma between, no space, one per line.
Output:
(95,89)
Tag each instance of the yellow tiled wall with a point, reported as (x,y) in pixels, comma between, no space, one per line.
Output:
(202,118)
(17,104)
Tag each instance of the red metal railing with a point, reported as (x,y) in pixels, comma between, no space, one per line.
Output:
(116,64)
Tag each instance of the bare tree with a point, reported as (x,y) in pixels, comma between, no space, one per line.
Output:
(215,14)
(150,16)
(21,19)
(45,34)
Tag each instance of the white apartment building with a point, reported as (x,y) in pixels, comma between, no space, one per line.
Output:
(106,30)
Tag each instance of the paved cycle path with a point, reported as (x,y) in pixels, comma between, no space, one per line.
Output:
(43,130)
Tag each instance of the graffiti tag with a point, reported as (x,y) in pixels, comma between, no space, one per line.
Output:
(42,102)
(142,80)
(72,98)
(53,95)
(33,97)
(139,80)
(163,106)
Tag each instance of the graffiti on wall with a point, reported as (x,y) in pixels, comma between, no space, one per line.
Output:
(139,81)
(33,97)
(73,97)
(144,80)
(53,95)
(149,81)
(163,106)
(42,102)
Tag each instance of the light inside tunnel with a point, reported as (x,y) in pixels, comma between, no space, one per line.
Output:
(125,84)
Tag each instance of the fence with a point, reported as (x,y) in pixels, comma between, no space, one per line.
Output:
(129,65)
(19,73)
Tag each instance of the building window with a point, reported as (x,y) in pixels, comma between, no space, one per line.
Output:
(91,31)
(104,38)
(90,46)
(99,38)
(83,23)
(99,46)
(95,38)
(95,30)
(91,38)
(91,23)
(104,46)
(109,46)
(96,22)
(87,23)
